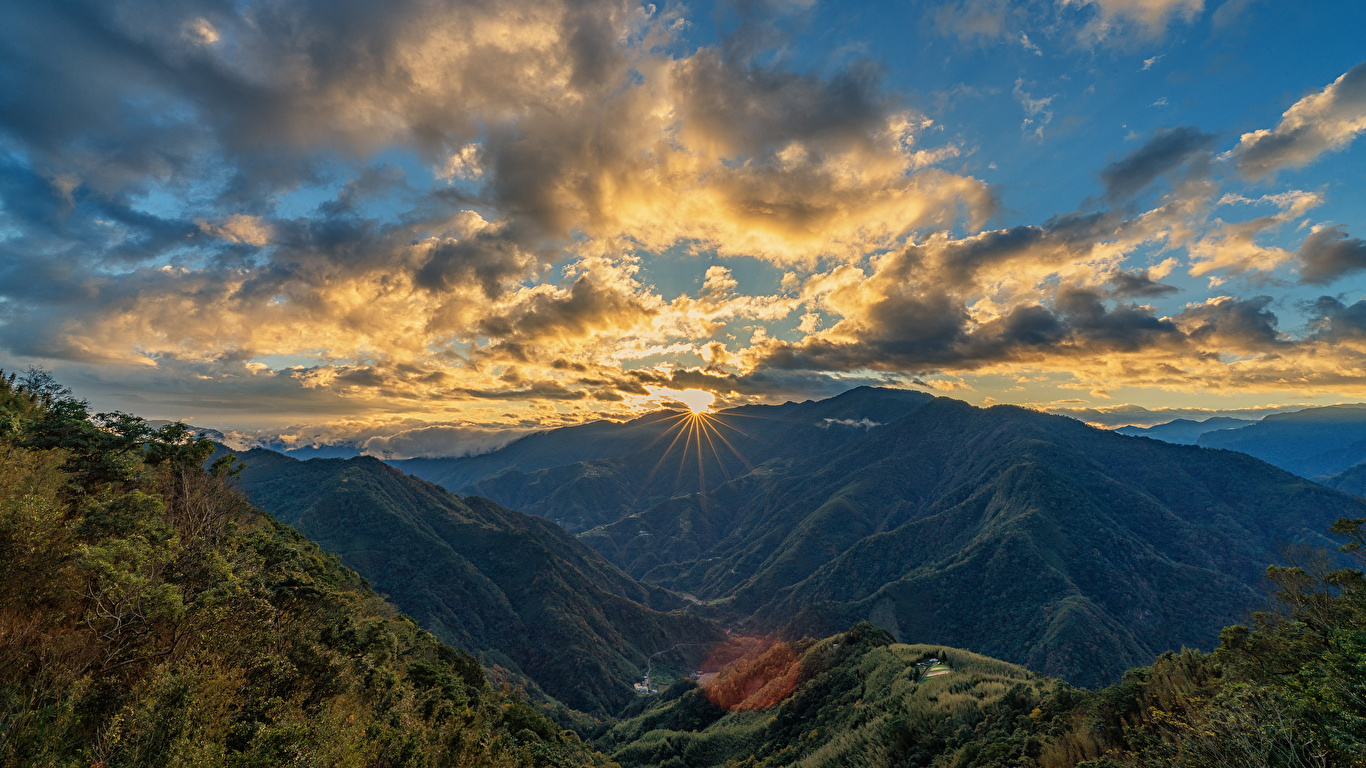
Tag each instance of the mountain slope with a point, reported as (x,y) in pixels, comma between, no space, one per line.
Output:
(1289,691)
(1185,431)
(851,699)
(1032,538)
(1351,480)
(514,587)
(1311,443)
(150,617)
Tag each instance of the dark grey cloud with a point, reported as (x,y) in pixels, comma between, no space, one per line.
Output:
(932,335)
(1333,321)
(1318,123)
(1329,254)
(1165,152)
(588,307)
(1234,325)
(1137,283)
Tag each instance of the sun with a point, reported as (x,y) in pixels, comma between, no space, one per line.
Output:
(697,400)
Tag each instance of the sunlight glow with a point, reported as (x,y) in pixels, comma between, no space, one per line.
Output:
(697,400)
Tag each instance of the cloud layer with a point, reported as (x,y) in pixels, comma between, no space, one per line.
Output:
(450,217)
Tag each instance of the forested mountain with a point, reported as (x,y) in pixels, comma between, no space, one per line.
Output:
(1289,691)
(594,474)
(1313,443)
(1185,431)
(1351,480)
(1032,538)
(149,616)
(515,588)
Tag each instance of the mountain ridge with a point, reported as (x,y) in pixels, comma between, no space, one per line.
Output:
(928,504)
(513,587)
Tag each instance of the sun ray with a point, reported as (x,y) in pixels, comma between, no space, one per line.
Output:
(683,460)
(701,472)
(737,429)
(680,420)
(682,424)
(707,429)
(732,448)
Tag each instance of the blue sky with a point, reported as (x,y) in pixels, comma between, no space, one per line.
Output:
(357,221)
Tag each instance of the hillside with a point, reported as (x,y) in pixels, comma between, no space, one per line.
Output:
(1185,431)
(851,699)
(1032,538)
(1288,691)
(1351,480)
(149,616)
(1311,443)
(514,588)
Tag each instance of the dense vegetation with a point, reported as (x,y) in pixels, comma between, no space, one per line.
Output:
(1288,692)
(518,590)
(853,699)
(149,616)
(1032,538)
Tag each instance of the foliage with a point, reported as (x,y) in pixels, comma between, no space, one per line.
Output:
(1033,538)
(860,699)
(149,616)
(1288,691)
(517,589)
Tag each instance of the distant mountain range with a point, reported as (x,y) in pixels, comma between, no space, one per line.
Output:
(1033,538)
(1185,431)
(516,589)
(1314,442)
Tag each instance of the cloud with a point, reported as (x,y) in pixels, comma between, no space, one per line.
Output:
(1037,112)
(460,213)
(864,423)
(1234,248)
(1328,254)
(1318,123)
(1151,17)
(1128,414)
(1165,152)
(439,440)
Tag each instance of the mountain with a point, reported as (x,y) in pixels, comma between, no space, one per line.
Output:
(851,699)
(585,476)
(1289,691)
(1185,431)
(149,616)
(1031,538)
(1311,443)
(517,589)
(1351,480)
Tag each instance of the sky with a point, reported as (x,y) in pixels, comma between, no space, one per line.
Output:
(423,226)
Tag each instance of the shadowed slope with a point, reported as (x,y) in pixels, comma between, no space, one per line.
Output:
(514,587)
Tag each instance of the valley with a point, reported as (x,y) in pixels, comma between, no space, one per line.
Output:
(1075,551)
